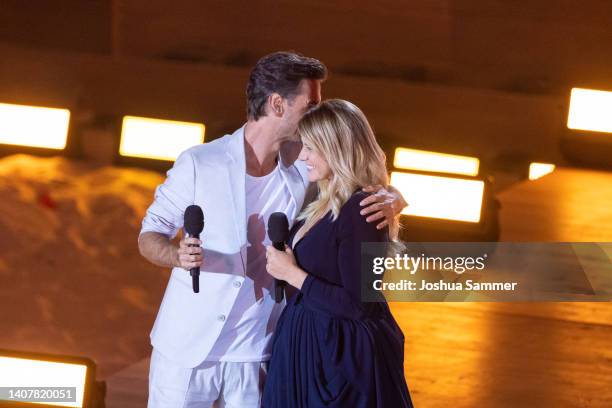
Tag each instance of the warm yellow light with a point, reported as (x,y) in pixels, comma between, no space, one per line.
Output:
(590,110)
(33,126)
(158,139)
(412,159)
(537,170)
(21,372)
(440,197)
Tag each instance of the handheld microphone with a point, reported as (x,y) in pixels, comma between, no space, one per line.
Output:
(193,225)
(278,232)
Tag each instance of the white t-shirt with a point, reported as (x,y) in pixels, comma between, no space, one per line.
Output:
(247,333)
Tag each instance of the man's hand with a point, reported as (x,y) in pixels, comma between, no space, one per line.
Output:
(187,256)
(382,205)
(160,250)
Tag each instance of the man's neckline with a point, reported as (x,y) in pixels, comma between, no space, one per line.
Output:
(275,169)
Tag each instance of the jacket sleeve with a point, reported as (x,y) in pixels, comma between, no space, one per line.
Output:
(172,197)
(344,300)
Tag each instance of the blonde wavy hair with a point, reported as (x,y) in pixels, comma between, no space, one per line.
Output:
(339,131)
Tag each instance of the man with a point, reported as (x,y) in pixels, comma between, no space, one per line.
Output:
(210,348)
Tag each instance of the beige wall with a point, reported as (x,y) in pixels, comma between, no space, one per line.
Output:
(75,25)
(489,78)
(463,120)
(537,45)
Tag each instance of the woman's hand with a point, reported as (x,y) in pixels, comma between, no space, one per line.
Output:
(282,265)
(384,205)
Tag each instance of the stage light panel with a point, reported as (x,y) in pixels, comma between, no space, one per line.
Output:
(440,197)
(30,373)
(33,126)
(158,139)
(412,159)
(537,170)
(590,110)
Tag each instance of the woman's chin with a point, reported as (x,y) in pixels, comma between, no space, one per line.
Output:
(313,178)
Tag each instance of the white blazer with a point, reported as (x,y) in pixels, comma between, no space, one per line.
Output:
(211,175)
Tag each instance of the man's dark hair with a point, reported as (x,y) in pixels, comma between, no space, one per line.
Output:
(281,73)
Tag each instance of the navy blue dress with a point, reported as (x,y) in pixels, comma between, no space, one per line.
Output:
(330,349)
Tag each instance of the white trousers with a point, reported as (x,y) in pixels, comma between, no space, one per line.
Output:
(211,384)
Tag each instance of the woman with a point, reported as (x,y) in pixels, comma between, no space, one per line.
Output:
(331,349)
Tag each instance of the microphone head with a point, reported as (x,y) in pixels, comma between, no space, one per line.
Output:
(194,220)
(278,227)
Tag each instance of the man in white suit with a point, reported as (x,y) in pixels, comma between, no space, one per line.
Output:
(210,348)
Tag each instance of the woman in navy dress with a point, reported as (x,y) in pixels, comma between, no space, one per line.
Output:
(331,349)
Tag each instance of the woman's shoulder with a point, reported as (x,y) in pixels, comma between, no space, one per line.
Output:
(351,210)
(354,202)
(351,221)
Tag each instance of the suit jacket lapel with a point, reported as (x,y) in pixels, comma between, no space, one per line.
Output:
(236,172)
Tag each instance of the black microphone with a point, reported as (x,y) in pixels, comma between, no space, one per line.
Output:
(278,232)
(193,225)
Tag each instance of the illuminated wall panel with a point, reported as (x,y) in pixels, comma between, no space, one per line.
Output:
(590,110)
(412,159)
(440,197)
(158,139)
(537,170)
(33,126)
(22,372)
